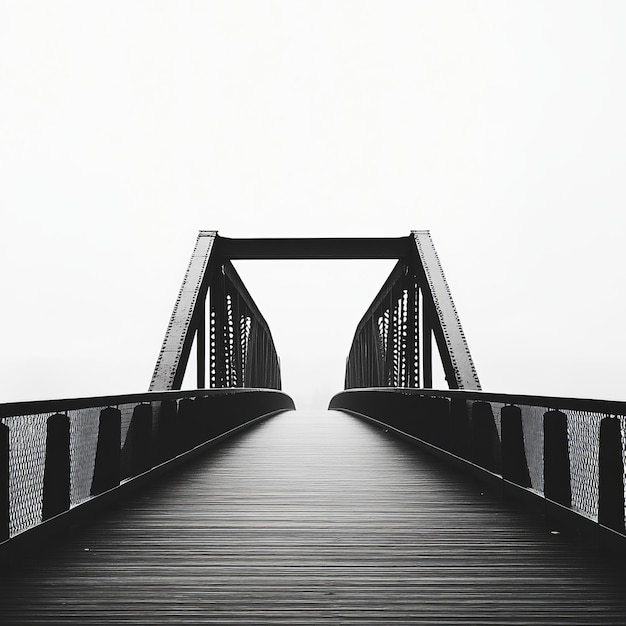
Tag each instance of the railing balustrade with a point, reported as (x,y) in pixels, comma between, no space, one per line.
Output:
(56,455)
(569,451)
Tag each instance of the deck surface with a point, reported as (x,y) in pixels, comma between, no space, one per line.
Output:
(314,518)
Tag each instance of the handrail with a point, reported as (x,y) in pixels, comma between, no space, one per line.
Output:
(609,407)
(567,451)
(29,407)
(56,455)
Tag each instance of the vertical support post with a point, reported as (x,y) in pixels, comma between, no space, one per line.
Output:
(417,331)
(514,462)
(106,473)
(201,346)
(485,441)
(611,469)
(56,478)
(140,435)
(411,352)
(427,347)
(556,472)
(460,427)
(237,348)
(389,343)
(187,424)
(5,506)
(166,441)
(397,330)
(217,309)
(375,356)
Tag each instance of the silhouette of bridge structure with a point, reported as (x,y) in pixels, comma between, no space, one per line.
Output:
(400,504)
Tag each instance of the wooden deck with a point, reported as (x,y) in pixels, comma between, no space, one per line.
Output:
(314,518)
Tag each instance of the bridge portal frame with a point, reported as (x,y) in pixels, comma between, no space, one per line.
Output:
(213,252)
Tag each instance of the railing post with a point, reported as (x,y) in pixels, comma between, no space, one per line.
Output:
(514,462)
(611,479)
(438,422)
(140,438)
(5,508)
(56,479)
(167,434)
(106,473)
(460,427)
(556,472)
(485,441)
(189,424)
(427,348)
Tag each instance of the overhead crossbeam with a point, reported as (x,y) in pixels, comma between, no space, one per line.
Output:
(323,248)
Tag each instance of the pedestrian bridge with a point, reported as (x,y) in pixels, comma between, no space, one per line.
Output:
(400,504)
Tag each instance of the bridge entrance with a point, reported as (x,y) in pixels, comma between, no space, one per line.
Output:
(393,343)
(312,308)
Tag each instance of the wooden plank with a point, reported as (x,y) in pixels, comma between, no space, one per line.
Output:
(315,518)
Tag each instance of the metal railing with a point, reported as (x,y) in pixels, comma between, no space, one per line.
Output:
(56,455)
(569,451)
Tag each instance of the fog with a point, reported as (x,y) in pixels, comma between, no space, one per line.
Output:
(127,127)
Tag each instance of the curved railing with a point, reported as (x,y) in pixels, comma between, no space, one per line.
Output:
(58,455)
(568,452)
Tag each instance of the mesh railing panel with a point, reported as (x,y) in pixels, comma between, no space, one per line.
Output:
(576,448)
(27,458)
(207,414)
(83,443)
(583,432)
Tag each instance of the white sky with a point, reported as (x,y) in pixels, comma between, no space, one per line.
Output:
(126,127)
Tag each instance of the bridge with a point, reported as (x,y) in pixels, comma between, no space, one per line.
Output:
(400,504)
